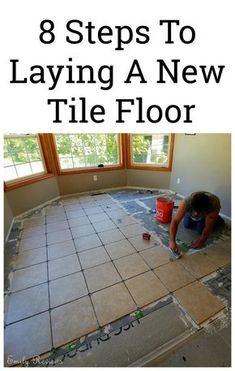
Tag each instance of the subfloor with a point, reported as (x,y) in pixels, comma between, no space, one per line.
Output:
(78,274)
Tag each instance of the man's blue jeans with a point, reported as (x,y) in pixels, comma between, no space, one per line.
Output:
(193,224)
(200,224)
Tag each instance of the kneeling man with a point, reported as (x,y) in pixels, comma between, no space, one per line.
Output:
(200,210)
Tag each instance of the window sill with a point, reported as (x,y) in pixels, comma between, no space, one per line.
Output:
(150,167)
(21,183)
(90,170)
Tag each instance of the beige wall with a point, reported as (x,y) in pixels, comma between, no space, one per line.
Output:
(203,162)
(76,183)
(8,216)
(148,179)
(30,196)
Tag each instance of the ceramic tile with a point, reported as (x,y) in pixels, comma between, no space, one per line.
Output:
(70,200)
(146,288)
(111,206)
(32,242)
(59,236)
(219,255)
(93,257)
(104,225)
(83,230)
(54,211)
(198,302)
(198,265)
(33,231)
(28,338)
(63,266)
(119,249)
(61,249)
(118,303)
(30,257)
(123,221)
(30,276)
(101,276)
(67,288)
(73,207)
(56,218)
(132,230)
(155,256)
(87,242)
(60,225)
(174,276)
(93,210)
(82,220)
(34,222)
(115,214)
(75,214)
(140,244)
(98,217)
(27,303)
(97,203)
(110,236)
(103,198)
(88,204)
(85,199)
(130,266)
(72,320)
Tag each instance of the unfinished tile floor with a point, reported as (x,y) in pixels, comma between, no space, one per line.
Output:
(81,264)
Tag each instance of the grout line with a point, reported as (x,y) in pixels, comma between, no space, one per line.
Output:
(83,296)
(119,274)
(28,317)
(28,287)
(103,245)
(30,265)
(77,252)
(49,298)
(82,271)
(136,251)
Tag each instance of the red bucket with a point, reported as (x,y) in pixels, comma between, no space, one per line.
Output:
(164,209)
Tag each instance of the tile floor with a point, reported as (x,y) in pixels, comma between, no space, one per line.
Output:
(83,263)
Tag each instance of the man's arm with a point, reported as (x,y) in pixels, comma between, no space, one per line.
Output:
(209,225)
(174,225)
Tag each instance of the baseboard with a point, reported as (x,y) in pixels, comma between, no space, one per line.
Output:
(227,218)
(9,230)
(150,189)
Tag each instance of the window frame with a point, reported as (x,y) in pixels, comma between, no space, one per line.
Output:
(52,165)
(90,169)
(49,170)
(141,166)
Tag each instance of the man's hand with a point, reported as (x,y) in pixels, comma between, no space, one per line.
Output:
(173,246)
(197,244)
(174,225)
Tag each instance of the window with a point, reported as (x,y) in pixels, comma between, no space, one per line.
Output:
(150,151)
(29,158)
(80,151)
(22,157)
